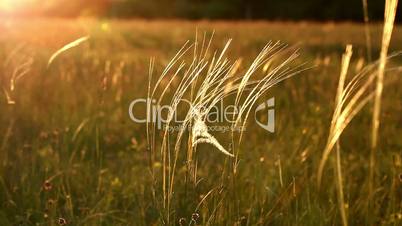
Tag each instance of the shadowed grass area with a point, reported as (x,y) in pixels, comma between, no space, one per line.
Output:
(68,149)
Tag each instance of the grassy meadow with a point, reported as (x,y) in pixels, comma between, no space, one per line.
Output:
(70,154)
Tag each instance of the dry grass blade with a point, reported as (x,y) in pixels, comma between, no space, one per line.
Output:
(341,86)
(339,184)
(65,48)
(79,129)
(389,18)
(337,121)
(10,101)
(17,64)
(367,30)
(20,71)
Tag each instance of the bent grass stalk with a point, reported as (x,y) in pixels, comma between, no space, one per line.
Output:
(65,48)
(17,64)
(344,69)
(352,99)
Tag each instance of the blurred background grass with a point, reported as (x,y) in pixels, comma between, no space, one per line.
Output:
(69,150)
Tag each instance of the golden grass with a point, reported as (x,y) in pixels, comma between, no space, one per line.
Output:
(258,192)
(349,101)
(344,69)
(389,17)
(338,121)
(207,80)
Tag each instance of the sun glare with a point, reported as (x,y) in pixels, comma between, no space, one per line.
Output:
(11,6)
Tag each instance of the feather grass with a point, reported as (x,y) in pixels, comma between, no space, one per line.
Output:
(207,81)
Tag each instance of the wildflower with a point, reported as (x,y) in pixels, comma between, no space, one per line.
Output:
(182,221)
(47,186)
(62,221)
(195,216)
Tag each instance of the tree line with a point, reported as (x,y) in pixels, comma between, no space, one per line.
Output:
(337,10)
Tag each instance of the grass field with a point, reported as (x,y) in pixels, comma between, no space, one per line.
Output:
(69,151)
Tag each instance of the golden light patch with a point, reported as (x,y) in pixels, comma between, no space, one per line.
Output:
(15,5)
